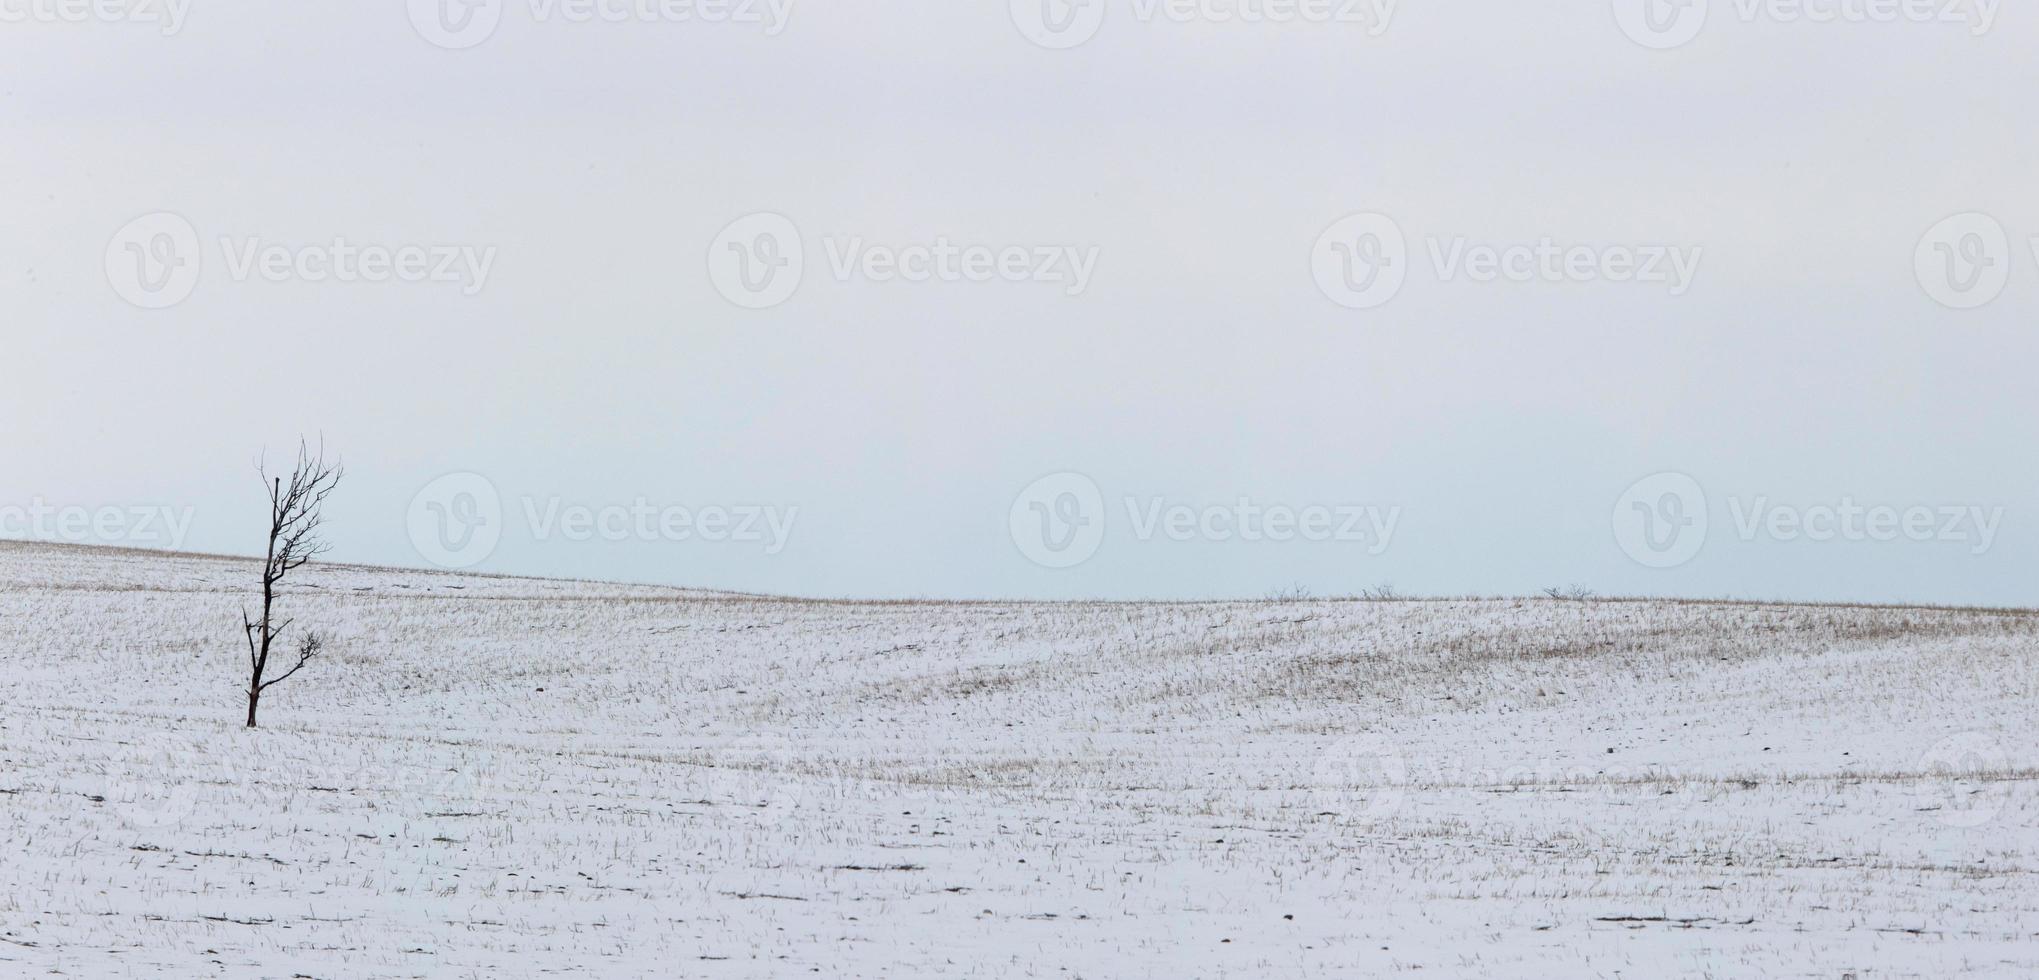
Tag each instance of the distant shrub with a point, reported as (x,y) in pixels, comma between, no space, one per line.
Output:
(1569,593)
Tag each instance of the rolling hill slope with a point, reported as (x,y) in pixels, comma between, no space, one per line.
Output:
(510,777)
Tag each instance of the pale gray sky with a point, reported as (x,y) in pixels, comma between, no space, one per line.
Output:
(1461,435)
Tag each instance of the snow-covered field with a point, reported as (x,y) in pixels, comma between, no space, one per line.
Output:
(497,777)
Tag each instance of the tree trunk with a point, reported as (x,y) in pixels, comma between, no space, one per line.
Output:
(254,698)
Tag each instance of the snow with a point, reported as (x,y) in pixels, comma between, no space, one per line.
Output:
(496,777)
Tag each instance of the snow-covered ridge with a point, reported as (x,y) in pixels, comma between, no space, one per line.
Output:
(603,780)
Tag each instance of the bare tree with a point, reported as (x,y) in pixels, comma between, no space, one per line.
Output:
(295,513)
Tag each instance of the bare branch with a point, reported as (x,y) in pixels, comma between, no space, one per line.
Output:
(248,630)
(307,648)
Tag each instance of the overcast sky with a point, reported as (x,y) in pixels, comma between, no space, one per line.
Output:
(933,298)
